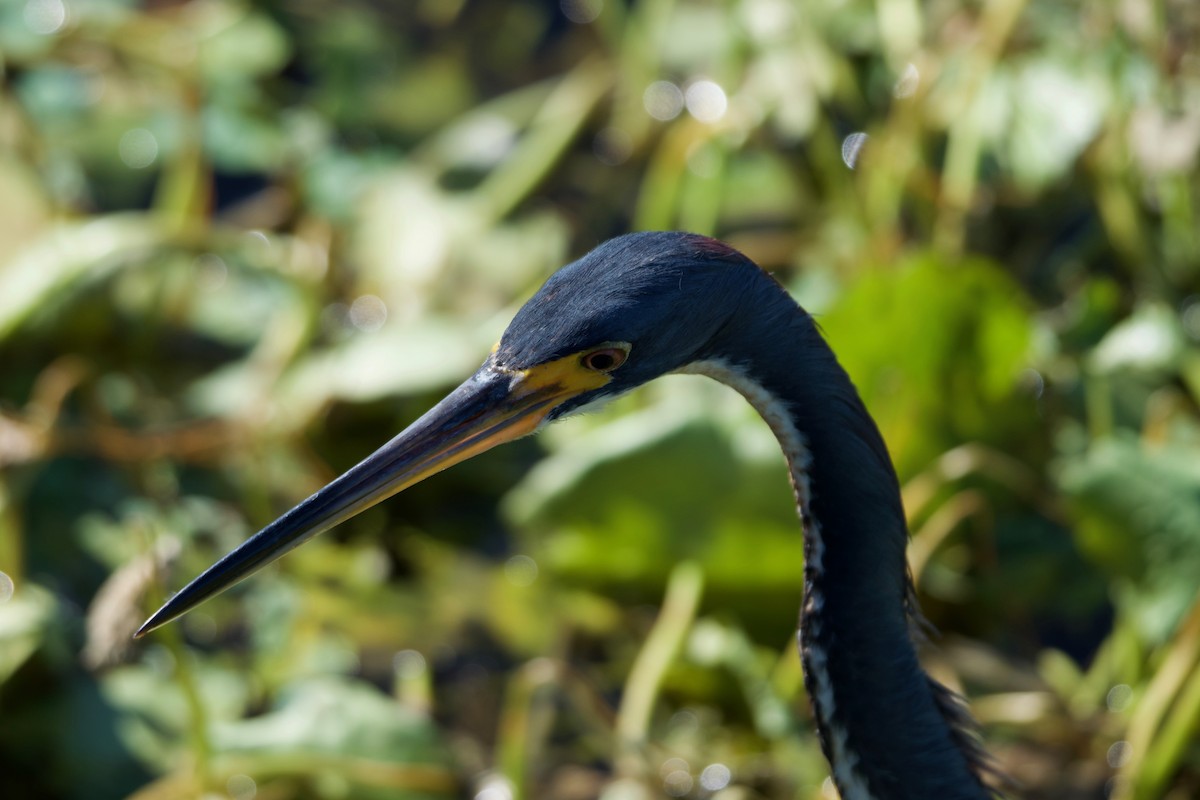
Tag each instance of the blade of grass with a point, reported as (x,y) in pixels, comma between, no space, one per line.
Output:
(524,721)
(548,137)
(939,526)
(1170,745)
(1178,667)
(684,588)
(965,138)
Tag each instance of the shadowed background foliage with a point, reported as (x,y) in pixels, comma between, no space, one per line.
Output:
(243,244)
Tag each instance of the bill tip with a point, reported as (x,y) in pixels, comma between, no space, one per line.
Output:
(155,621)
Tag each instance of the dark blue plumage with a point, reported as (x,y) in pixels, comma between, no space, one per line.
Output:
(679,298)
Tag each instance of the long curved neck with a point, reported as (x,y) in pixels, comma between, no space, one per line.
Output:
(883,722)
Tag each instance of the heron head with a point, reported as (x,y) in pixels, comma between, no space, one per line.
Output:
(634,308)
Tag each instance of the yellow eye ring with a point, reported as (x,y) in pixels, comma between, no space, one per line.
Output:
(606,359)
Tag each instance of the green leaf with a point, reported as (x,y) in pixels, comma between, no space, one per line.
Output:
(1054,108)
(69,258)
(1150,341)
(696,476)
(23,621)
(947,374)
(237,43)
(349,730)
(1137,510)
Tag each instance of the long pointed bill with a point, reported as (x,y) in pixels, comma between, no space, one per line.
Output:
(490,408)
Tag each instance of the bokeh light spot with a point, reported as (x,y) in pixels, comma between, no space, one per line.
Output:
(1118,754)
(907,83)
(45,17)
(138,148)
(7,588)
(521,570)
(409,664)
(715,777)
(1119,697)
(683,721)
(1033,381)
(706,101)
(241,787)
(852,147)
(663,100)
(211,271)
(581,12)
(1191,317)
(677,783)
(494,787)
(368,313)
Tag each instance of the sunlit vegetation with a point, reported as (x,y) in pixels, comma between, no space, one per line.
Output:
(244,244)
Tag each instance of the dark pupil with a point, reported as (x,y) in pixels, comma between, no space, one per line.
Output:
(601,361)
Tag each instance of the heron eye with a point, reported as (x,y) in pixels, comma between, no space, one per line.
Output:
(605,360)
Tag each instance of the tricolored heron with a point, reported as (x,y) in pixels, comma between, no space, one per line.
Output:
(646,304)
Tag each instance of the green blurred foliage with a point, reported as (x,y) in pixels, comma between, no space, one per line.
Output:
(244,243)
